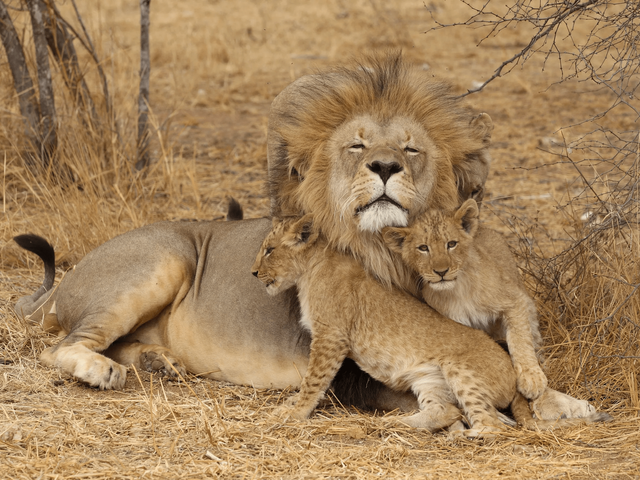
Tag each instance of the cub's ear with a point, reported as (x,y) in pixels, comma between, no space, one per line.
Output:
(304,231)
(467,216)
(394,237)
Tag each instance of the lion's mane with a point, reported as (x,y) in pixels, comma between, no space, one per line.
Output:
(383,87)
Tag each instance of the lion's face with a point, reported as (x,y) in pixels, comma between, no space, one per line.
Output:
(282,254)
(437,245)
(380,172)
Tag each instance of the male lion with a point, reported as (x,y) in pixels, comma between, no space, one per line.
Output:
(362,148)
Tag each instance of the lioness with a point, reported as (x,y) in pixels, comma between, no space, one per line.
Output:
(362,148)
(469,275)
(393,336)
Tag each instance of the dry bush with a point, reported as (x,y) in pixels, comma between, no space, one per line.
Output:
(587,293)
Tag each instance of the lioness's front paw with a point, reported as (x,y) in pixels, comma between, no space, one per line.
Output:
(531,381)
(552,405)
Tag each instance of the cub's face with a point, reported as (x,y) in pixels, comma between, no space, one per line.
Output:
(436,246)
(380,173)
(281,256)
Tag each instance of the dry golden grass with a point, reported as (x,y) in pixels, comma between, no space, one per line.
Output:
(215,68)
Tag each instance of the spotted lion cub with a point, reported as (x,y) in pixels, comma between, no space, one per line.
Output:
(470,276)
(391,335)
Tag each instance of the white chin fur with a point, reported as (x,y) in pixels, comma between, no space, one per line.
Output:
(440,286)
(380,215)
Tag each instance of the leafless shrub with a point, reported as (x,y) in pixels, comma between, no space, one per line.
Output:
(589,291)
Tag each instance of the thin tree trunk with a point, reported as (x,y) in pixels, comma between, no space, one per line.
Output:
(143,98)
(21,79)
(47,103)
(61,46)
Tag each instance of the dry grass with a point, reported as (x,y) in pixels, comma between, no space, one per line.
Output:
(215,68)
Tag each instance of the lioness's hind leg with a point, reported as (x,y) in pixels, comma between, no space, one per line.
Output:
(152,358)
(107,315)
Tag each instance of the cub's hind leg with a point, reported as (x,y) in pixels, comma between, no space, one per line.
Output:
(435,399)
(96,317)
(480,393)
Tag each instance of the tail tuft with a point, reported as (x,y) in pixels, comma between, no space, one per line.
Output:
(42,248)
(234,210)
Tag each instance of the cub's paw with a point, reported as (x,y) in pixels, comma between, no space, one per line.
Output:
(163,363)
(484,432)
(531,381)
(290,412)
(552,405)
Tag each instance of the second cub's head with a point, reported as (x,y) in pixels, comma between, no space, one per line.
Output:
(436,244)
(282,255)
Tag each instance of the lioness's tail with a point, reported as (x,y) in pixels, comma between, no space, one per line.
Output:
(26,306)
(522,413)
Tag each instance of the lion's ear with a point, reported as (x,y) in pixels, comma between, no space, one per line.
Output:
(394,237)
(482,125)
(304,230)
(467,216)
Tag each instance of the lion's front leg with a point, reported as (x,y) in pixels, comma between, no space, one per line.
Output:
(328,350)
(552,405)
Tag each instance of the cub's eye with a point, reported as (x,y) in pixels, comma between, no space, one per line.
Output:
(452,244)
(268,251)
(411,151)
(357,148)
(423,248)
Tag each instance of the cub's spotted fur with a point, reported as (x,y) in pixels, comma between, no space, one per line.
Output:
(391,335)
(469,275)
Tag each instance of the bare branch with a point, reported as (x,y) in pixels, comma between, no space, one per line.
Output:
(61,46)
(143,98)
(88,46)
(22,81)
(47,104)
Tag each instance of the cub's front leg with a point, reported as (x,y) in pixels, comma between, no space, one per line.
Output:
(328,351)
(530,379)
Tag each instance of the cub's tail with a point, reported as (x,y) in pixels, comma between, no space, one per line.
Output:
(26,306)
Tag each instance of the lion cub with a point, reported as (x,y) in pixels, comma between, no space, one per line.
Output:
(391,335)
(470,276)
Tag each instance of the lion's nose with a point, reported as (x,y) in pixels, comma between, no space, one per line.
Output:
(385,169)
(255,274)
(442,273)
